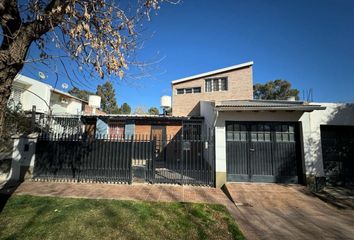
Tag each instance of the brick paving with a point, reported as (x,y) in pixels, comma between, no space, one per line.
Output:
(274,211)
(141,192)
(263,211)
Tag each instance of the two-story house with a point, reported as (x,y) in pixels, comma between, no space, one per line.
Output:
(258,140)
(29,92)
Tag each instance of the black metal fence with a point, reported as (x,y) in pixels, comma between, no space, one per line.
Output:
(108,158)
(80,158)
(182,161)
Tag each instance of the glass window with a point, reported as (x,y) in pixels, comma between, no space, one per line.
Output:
(223,84)
(180,91)
(188,90)
(208,85)
(216,84)
(285,133)
(196,90)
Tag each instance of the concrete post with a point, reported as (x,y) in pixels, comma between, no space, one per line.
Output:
(23,157)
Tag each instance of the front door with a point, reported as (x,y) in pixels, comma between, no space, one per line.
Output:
(261,152)
(158,133)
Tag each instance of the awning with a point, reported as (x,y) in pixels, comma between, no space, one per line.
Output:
(266,105)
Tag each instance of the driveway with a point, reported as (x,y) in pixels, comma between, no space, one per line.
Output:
(273,211)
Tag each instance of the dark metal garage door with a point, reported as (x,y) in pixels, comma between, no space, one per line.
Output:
(338,154)
(261,152)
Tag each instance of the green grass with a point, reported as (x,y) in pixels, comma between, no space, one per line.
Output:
(28,217)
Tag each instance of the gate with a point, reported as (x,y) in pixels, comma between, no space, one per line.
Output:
(261,152)
(186,161)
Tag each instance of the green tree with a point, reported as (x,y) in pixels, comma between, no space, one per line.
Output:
(153,111)
(275,90)
(125,109)
(108,98)
(82,94)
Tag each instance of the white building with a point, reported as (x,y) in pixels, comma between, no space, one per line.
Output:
(29,92)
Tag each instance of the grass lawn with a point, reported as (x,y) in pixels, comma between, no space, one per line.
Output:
(28,217)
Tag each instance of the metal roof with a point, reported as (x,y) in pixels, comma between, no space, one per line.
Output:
(213,72)
(266,105)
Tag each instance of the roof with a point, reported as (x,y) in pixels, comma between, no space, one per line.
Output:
(221,70)
(68,95)
(266,105)
(143,116)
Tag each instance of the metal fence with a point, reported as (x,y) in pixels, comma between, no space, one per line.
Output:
(80,158)
(108,158)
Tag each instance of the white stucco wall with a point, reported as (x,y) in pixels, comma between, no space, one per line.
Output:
(31,88)
(335,114)
(72,106)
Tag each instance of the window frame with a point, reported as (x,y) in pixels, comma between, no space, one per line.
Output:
(216,84)
(192,90)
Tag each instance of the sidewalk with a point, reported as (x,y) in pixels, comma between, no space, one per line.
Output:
(140,192)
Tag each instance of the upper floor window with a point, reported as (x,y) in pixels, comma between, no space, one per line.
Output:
(216,84)
(188,90)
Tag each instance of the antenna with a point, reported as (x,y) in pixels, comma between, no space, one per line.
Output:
(64,85)
(42,75)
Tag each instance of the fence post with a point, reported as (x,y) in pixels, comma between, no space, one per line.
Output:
(23,157)
(130,159)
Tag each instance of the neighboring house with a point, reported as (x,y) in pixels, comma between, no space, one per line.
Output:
(29,92)
(262,141)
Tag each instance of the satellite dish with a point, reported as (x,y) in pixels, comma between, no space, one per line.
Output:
(64,85)
(41,75)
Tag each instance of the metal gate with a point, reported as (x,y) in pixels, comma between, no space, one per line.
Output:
(261,152)
(338,154)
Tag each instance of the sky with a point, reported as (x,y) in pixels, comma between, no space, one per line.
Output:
(309,43)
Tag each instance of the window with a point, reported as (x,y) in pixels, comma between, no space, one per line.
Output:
(260,133)
(216,84)
(15,96)
(116,130)
(236,132)
(285,133)
(180,91)
(188,90)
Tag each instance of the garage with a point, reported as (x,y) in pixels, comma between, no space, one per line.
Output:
(338,154)
(262,152)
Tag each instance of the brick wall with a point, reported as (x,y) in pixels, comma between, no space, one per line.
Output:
(240,87)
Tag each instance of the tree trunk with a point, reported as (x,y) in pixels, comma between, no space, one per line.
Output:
(11,63)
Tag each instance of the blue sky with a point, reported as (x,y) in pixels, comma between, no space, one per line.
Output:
(309,43)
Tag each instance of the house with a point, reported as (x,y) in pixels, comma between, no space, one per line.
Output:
(259,140)
(29,92)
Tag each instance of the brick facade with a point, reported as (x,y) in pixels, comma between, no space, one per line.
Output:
(240,87)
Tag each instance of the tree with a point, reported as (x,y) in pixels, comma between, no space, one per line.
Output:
(275,90)
(139,110)
(82,94)
(108,98)
(101,34)
(125,109)
(153,111)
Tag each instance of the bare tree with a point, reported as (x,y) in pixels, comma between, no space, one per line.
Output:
(99,33)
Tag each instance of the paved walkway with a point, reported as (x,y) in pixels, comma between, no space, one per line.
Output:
(273,211)
(142,192)
(263,211)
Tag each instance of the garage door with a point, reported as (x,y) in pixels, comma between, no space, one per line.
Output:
(261,152)
(338,153)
